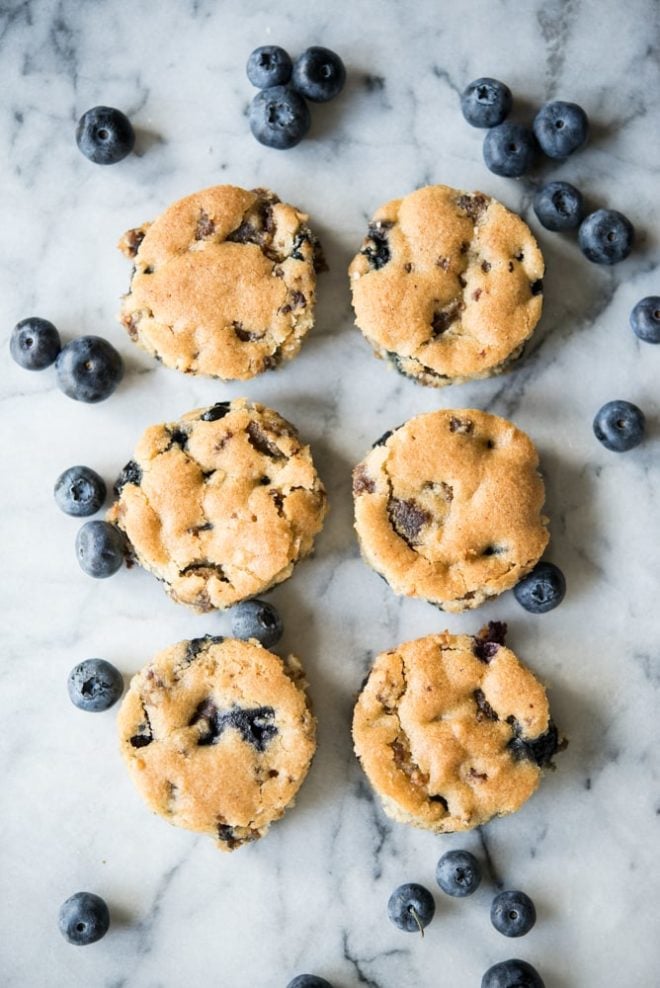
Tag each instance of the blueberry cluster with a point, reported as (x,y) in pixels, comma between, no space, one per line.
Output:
(279,116)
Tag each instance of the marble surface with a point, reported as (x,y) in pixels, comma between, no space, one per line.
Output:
(312,895)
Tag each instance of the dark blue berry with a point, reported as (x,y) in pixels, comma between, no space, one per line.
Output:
(84,918)
(318,74)
(269,66)
(458,873)
(101,549)
(619,426)
(606,236)
(309,981)
(645,319)
(89,369)
(411,908)
(34,343)
(94,685)
(509,150)
(512,974)
(79,491)
(105,135)
(279,117)
(257,619)
(512,913)
(559,206)
(486,102)
(560,128)
(541,590)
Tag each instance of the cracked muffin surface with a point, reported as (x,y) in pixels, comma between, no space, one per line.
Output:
(218,736)
(452,730)
(223,283)
(448,285)
(220,504)
(448,507)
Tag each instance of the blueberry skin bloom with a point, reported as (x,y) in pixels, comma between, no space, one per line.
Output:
(105,135)
(308,981)
(458,873)
(94,685)
(560,128)
(645,319)
(512,974)
(34,343)
(89,369)
(269,66)
(101,549)
(79,491)
(411,908)
(486,102)
(606,236)
(512,913)
(257,619)
(541,590)
(559,206)
(318,74)
(84,918)
(509,150)
(619,426)
(279,117)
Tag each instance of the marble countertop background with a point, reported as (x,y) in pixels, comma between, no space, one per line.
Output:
(312,895)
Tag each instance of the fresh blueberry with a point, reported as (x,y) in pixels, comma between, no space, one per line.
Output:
(512,913)
(34,343)
(318,74)
(84,918)
(79,491)
(458,873)
(486,102)
(94,685)
(645,319)
(279,117)
(606,236)
(411,908)
(105,135)
(541,590)
(619,426)
(89,369)
(560,128)
(512,974)
(309,981)
(509,150)
(101,549)
(559,206)
(257,619)
(269,66)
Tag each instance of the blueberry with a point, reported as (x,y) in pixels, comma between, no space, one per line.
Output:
(559,206)
(458,873)
(101,549)
(512,974)
(79,491)
(94,685)
(411,908)
(84,918)
(279,117)
(541,590)
(486,102)
(512,913)
(645,319)
(89,369)
(34,343)
(308,981)
(509,150)
(318,74)
(560,128)
(257,619)
(105,135)
(619,426)
(269,66)
(606,236)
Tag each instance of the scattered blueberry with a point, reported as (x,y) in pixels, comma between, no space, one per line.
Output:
(318,74)
(105,135)
(84,918)
(509,150)
(79,491)
(34,343)
(308,981)
(101,549)
(279,117)
(541,590)
(512,974)
(486,102)
(458,873)
(606,236)
(89,369)
(619,426)
(257,619)
(645,319)
(411,908)
(560,128)
(269,66)
(512,913)
(559,206)
(94,685)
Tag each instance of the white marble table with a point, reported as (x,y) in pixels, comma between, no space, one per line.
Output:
(311,896)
